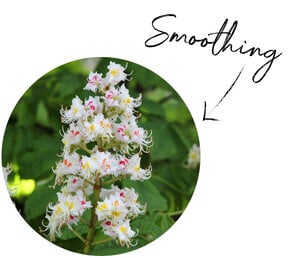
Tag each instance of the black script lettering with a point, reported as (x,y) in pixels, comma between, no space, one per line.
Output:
(215,51)
(268,65)
(226,45)
(221,42)
(158,37)
(178,38)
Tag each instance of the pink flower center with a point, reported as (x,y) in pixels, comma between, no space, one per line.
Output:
(120,129)
(74,133)
(123,162)
(109,95)
(67,164)
(108,223)
(90,105)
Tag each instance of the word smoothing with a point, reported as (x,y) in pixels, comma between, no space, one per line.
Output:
(218,41)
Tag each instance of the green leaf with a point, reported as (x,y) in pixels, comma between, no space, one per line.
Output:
(68,84)
(72,244)
(145,77)
(46,142)
(164,144)
(42,116)
(176,111)
(183,135)
(21,113)
(36,203)
(111,248)
(151,108)
(157,94)
(164,221)
(148,227)
(37,164)
(149,194)
(42,156)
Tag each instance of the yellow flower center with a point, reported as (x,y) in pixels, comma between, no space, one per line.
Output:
(194,156)
(127,100)
(104,124)
(137,168)
(114,72)
(103,206)
(86,166)
(92,128)
(123,229)
(116,214)
(69,205)
(58,210)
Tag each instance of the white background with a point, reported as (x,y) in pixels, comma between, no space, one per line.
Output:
(247,201)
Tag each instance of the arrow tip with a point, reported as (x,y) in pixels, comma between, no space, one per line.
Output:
(205,118)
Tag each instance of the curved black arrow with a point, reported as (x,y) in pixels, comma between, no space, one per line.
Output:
(205,117)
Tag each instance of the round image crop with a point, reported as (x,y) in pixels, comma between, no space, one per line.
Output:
(101,156)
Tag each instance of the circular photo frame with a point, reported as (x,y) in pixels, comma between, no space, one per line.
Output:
(101,156)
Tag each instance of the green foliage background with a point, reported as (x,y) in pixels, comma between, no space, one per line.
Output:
(32,142)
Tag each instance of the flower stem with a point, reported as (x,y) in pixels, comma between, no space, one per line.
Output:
(103,241)
(85,148)
(114,179)
(84,221)
(175,213)
(162,180)
(93,218)
(77,235)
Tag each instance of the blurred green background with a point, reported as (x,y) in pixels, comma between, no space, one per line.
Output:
(32,143)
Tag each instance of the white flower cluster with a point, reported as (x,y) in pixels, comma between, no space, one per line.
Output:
(102,142)
(109,118)
(102,164)
(66,211)
(116,210)
(193,157)
(6,172)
